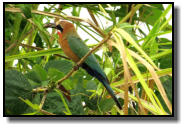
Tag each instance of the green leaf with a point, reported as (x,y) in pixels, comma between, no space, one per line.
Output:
(91,103)
(29,103)
(42,74)
(53,104)
(64,102)
(142,81)
(166,61)
(34,54)
(129,38)
(55,74)
(150,14)
(61,65)
(106,104)
(32,75)
(91,85)
(128,28)
(156,27)
(42,31)
(75,105)
(16,85)
(167,83)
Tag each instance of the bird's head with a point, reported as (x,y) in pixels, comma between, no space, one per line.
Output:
(63,27)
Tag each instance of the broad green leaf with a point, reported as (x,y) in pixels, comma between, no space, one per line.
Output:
(106,104)
(16,85)
(64,102)
(42,74)
(54,74)
(151,13)
(61,65)
(54,104)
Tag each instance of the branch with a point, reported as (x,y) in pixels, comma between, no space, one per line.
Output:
(73,18)
(43,100)
(55,15)
(93,17)
(45,112)
(129,14)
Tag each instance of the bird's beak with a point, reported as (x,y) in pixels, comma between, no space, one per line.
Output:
(50,25)
(53,25)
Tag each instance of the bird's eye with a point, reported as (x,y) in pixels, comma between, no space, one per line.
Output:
(59,28)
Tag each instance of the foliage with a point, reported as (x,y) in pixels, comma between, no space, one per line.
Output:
(138,62)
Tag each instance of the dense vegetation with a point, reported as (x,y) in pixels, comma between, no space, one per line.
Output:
(138,62)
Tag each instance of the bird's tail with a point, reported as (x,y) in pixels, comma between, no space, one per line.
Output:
(103,79)
(109,89)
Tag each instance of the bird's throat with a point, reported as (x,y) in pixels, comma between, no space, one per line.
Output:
(59,33)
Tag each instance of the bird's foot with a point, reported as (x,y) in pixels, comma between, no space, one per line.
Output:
(76,67)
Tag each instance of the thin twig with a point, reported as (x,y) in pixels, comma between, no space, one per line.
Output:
(132,13)
(129,14)
(45,112)
(93,17)
(55,15)
(10,47)
(43,100)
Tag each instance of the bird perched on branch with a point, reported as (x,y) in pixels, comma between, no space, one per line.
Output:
(75,49)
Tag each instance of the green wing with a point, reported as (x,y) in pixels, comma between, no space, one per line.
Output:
(80,49)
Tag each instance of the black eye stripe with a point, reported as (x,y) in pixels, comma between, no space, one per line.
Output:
(59,28)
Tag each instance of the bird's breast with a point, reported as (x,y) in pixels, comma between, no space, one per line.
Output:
(67,50)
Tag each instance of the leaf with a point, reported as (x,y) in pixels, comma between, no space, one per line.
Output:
(16,85)
(54,104)
(32,75)
(162,72)
(64,102)
(150,14)
(166,61)
(38,41)
(42,74)
(167,83)
(76,106)
(33,54)
(42,32)
(141,79)
(129,38)
(91,103)
(91,85)
(128,28)
(54,74)
(106,104)
(29,103)
(61,65)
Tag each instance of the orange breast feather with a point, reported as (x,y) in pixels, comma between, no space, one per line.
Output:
(66,48)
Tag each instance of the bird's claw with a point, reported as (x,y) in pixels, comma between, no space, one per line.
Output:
(76,67)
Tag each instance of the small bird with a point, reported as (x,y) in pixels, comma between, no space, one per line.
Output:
(75,49)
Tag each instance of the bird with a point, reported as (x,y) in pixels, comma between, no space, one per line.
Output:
(75,49)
